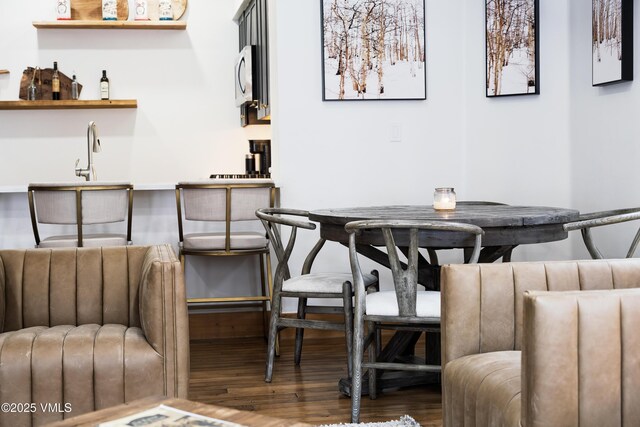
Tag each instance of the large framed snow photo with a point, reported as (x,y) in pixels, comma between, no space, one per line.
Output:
(373,50)
(611,41)
(512,47)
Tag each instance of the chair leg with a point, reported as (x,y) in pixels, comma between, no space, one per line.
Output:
(273,336)
(374,350)
(270,284)
(347,303)
(266,293)
(356,361)
(302,313)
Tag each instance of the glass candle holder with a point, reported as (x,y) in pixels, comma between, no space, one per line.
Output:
(444,199)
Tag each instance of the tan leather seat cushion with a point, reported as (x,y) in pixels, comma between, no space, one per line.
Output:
(483,389)
(88,367)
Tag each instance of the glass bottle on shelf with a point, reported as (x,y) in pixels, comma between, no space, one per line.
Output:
(141,11)
(63,9)
(109,10)
(55,83)
(75,94)
(104,85)
(165,11)
(32,91)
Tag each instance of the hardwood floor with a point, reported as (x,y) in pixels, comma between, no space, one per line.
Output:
(230,372)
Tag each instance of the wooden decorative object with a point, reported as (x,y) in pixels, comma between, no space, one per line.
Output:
(43,84)
(178,7)
(92,10)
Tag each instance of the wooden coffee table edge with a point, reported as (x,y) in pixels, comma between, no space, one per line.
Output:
(249,419)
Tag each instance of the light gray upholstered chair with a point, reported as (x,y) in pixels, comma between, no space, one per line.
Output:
(220,206)
(599,219)
(306,285)
(87,205)
(405,308)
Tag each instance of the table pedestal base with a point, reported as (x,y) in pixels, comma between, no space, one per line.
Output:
(401,348)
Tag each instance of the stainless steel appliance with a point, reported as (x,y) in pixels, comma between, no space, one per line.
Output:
(245,76)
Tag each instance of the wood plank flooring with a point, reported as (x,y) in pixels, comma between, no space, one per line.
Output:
(230,372)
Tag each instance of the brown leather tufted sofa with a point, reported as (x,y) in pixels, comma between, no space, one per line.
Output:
(88,328)
(515,355)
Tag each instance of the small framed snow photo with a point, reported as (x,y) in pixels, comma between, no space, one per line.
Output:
(512,47)
(373,50)
(611,41)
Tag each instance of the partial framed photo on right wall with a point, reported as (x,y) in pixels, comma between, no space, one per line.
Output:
(611,41)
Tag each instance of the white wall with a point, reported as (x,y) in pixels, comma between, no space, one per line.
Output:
(514,149)
(549,149)
(336,154)
(604,144)
(185,127)
(518,148)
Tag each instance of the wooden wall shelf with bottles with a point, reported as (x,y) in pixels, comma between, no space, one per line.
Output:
(4,71)
(111,25)
(68,104)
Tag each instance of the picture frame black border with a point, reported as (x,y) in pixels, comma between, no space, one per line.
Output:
(626,66)
(424,50)
(536,28)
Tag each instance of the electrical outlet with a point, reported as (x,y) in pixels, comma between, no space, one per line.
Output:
(396,133)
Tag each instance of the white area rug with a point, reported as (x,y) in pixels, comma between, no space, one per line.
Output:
(404,421)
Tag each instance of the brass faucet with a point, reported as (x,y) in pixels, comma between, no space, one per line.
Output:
(93,146)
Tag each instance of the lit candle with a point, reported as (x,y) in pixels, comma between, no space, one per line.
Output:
(444,199)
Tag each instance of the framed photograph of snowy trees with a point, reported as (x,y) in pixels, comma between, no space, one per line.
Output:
(512,47)
(611,41)
(373,50)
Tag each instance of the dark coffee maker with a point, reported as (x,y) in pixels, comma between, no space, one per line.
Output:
(262,147)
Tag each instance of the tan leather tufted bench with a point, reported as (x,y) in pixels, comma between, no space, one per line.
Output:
(90,328)
(516,355)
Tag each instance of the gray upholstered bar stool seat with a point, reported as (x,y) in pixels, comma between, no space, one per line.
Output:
(85,205)
(241,240)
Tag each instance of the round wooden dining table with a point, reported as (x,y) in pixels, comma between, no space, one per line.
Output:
(505,227)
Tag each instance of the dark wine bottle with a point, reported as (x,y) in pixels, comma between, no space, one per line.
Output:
(55,83)
(104,86)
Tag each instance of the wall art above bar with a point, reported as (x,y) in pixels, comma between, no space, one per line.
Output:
(512,47)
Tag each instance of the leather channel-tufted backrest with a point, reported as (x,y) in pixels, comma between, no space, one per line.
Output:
(580,358)
(482,304)
(71,286)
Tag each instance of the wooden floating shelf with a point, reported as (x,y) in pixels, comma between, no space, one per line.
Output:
(68,104)
(4,71)
(126,25)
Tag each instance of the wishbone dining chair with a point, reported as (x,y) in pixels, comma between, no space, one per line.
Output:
(405,308)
